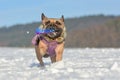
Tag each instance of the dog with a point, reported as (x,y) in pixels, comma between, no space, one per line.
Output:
(51,44)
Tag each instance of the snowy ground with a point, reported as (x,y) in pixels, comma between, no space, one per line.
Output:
(77,64)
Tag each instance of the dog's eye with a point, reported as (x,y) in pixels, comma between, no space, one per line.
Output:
(58,23)
(48,22)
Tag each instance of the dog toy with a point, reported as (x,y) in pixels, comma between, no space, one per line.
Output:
(39,31)
(43,31)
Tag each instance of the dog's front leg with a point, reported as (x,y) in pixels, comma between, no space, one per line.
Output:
(59,52)
(38,55)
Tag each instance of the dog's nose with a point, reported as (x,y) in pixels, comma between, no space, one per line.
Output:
(51,28)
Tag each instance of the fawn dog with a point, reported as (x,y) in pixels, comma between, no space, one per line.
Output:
(51,44)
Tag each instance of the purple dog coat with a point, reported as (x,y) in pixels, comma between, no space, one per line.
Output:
(51,45)
(34,39)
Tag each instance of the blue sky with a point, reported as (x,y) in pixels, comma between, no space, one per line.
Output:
(26,11)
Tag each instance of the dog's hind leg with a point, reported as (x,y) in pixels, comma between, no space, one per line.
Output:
(53,59)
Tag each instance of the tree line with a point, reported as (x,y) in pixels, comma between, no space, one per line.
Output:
(87,31)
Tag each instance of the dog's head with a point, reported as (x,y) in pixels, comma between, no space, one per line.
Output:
(55,24)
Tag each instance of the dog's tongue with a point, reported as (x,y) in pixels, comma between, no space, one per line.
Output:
(52,33)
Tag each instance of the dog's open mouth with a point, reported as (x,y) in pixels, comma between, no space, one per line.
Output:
(56,31)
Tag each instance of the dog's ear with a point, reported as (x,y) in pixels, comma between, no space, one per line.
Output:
(43,16)
(62,18)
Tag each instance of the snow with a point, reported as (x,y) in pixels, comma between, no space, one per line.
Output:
(115,66)
(27,32)
(77,64)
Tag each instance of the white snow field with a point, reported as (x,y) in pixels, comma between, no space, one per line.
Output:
(77,64)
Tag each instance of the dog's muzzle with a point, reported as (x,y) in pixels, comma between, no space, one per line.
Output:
(56,31)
